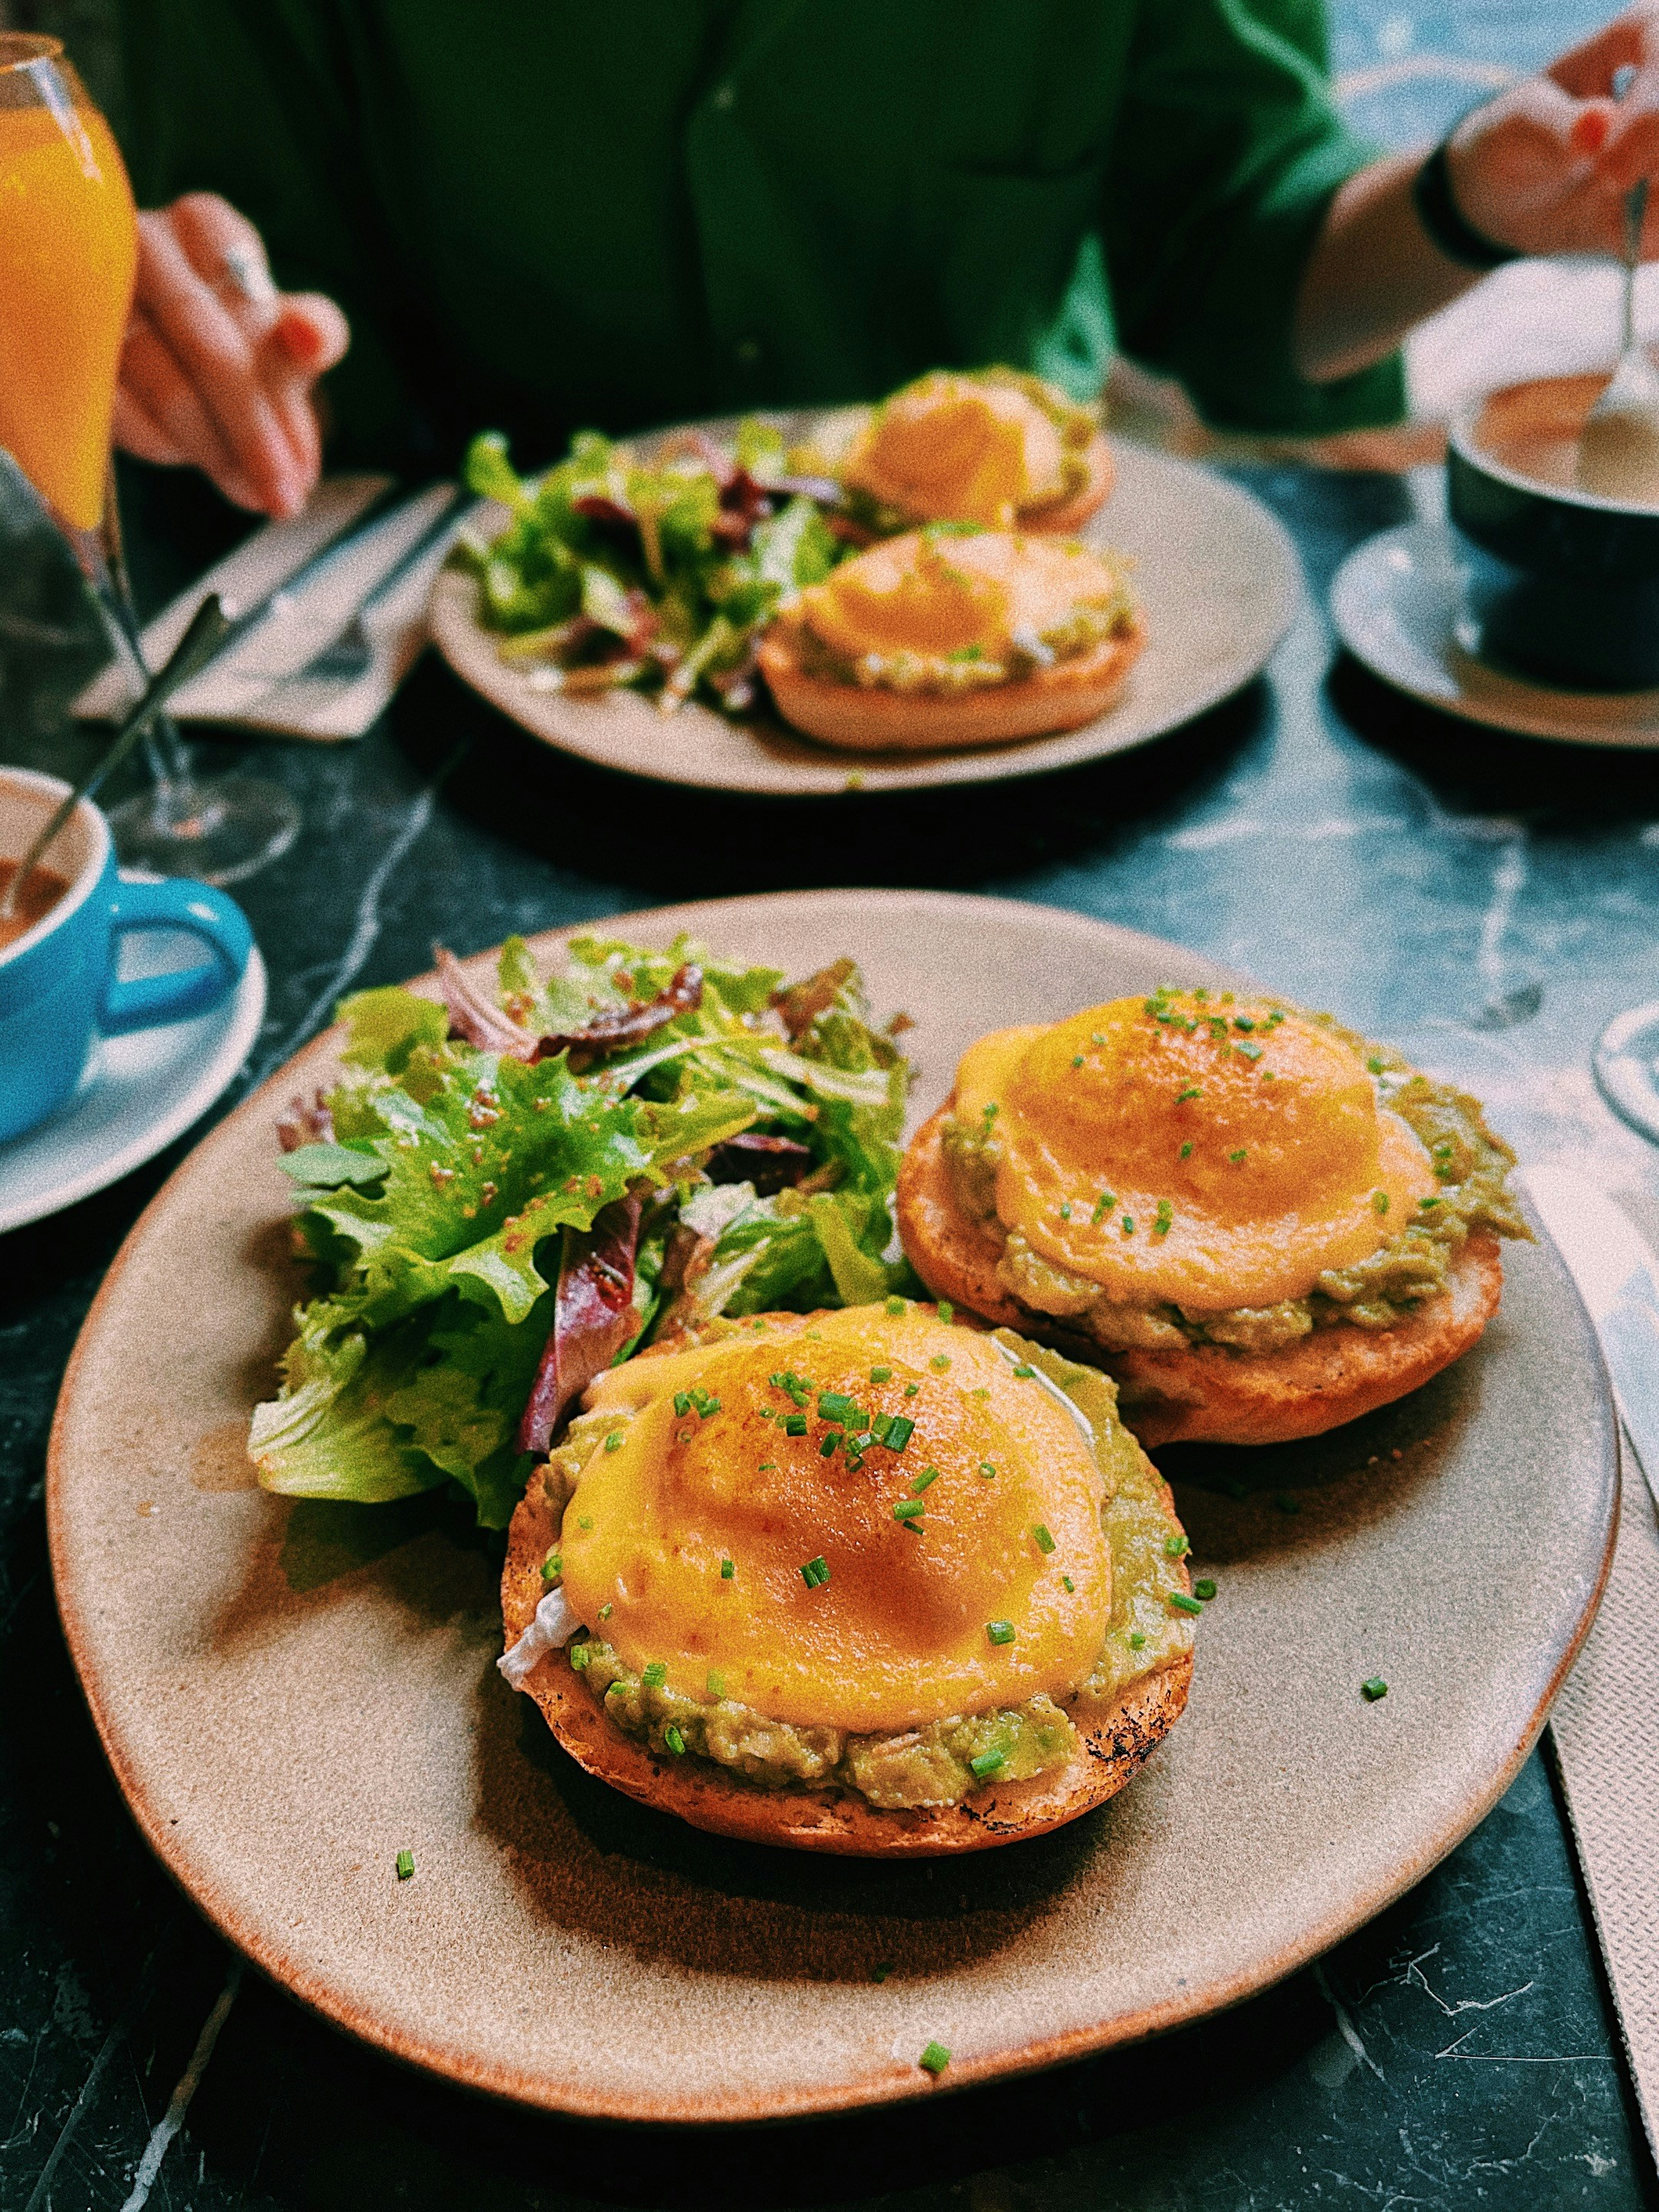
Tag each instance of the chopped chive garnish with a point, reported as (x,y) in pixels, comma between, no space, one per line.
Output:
(1041,1538)
(1175,1547)
(655,1675)
(987,1470)
(1097,1037)
(1239,1155)
(1250,1051)
(1379,1201)
(1164,1220)
(551,1566)
(1182,1604)
(913,1389)
(836,1406)
(728,1570)
(934,2059)
(900,1430)
(1022,1373)
(862,1441)
(795,1424)
(1068,1585)
(606,1610)
(987,1764)
(1375,1688)
(614,1441)
(1186,1150)
(1374,1064)
(682,1403)
(1426,1202)
(580,1657)
(1065,1210)
(1244,1022)
(767,1467)
(405,1865)
(940,1360)
(584,1520)
(1000,1631)
(896,1306)
(947,1312)
(707,1407)
(674,1739)
(828,1443)
(1193,1091)
(1137,1639)
(1077,1060)
(1128,1224)
(928,1474)
(1205,1588)
(879,1973)
(881,1374)
(815,1573)
(909,1509)
(1201,995)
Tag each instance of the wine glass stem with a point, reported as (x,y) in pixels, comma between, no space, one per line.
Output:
(164,749)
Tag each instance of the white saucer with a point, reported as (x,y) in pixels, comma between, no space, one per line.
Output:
(139,1093)
(1397,604)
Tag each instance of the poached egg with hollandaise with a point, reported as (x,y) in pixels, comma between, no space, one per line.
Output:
(994,447)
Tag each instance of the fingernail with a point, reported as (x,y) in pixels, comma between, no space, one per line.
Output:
(300,340)
(1590,132)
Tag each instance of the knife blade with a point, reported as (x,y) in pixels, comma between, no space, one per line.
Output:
(1616,1272)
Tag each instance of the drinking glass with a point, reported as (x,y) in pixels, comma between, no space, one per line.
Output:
(68,251)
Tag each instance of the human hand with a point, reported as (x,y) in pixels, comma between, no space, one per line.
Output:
(1545,166)
(219,368)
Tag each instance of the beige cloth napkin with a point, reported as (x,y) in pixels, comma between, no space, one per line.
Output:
(266,680)
(1605,1726)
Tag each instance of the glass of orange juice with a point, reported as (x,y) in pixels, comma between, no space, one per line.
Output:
(69,255)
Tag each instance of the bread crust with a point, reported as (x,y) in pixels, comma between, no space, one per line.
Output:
(866,718)
(1112,1747)
(1205,1393)
(1062,517)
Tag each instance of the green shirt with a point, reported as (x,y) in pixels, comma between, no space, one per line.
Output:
(544,214)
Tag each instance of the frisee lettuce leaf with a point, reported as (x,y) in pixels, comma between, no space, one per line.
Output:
(434,1217)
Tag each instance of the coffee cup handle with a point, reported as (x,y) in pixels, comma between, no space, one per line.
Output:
(177,903)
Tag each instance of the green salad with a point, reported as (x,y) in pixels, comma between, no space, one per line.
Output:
(610,572)
(509,1191)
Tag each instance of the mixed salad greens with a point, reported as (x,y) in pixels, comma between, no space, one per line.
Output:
(510,1191)
(663,577)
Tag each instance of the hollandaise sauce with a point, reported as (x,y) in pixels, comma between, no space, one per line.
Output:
(874,1549)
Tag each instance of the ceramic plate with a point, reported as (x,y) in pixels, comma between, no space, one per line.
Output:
(1218,576)
(138,1093)
(1397,604)
(292,1692)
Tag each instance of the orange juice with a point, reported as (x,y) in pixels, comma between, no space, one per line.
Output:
(68,250)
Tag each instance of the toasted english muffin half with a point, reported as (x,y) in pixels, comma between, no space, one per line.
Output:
(870,718)
(1207,1393)
(1113,1738)
(1061,518)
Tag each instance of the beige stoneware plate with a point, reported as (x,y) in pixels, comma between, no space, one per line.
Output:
(292,1692)
(1218,576)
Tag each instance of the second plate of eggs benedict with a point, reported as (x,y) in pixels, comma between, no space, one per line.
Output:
(863,1582)
(954,636)
(1262,1224)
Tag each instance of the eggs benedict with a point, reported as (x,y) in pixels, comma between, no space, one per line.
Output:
(954,636)
(994,446)
(1262,1224)
(868,1582)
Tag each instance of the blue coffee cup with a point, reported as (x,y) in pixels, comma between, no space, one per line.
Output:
(59,989)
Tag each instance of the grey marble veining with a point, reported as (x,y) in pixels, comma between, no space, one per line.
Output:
(1485,902)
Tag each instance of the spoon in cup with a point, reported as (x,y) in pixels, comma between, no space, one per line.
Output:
(1618,448)
(201,639)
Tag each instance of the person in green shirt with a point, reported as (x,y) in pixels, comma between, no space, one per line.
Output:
(541,216)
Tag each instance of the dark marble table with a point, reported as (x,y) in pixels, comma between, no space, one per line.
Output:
(1487,903)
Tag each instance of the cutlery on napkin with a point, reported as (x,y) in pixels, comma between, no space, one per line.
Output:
(1605,1719)
(332,614)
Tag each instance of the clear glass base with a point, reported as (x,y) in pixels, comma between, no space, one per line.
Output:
(219,830)
(1627,1068)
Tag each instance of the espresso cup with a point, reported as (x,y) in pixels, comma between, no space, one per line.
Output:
(60,991)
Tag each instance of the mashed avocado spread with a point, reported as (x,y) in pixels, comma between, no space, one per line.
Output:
(1470,1163)
(931,1765)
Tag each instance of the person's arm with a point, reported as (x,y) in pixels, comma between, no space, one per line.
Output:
(1542,169)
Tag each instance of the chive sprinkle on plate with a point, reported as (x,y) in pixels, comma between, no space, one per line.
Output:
(405,1865)
(934,2059)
